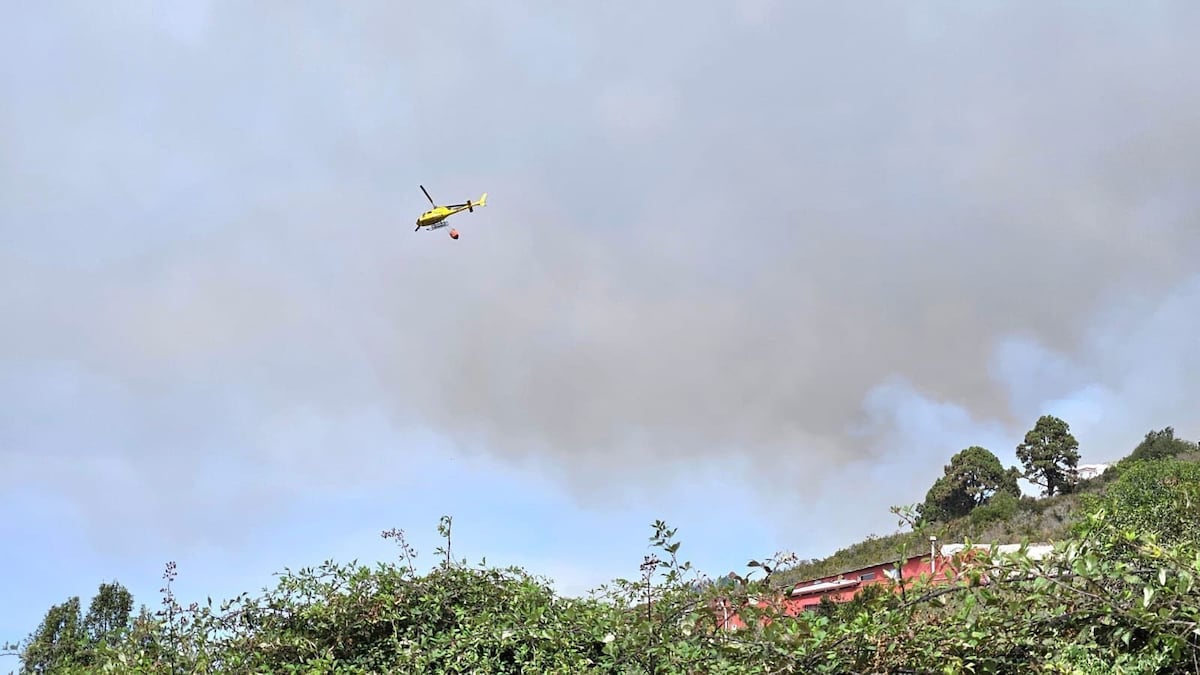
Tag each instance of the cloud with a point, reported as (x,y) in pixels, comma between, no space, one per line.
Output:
(703,240)
(756,12)
(631,110)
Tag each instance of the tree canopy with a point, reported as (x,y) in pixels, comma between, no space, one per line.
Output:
(1050,455)
(970,480)
(1161,444)
(56,642)
(65,639)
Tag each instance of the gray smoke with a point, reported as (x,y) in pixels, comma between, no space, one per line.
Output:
(778,234)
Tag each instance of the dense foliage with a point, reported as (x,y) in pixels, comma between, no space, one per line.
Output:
(1120,594)
(1050,455)
(974,478)
(1162,444)
(970,480)
(64,637)
(1160,496)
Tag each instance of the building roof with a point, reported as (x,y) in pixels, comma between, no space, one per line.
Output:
(1036,551)
(806,583)
(891,560)
(822,586)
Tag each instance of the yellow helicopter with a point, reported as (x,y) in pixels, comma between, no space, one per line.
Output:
(435,218)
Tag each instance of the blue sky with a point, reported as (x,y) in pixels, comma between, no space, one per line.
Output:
(757,269)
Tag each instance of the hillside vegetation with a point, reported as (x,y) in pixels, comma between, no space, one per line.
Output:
(1121,595)
(999,517)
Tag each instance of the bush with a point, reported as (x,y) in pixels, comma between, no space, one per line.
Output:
(1121,594)
(1002,506)
(1108,598)
(1161,445)
(1157,497)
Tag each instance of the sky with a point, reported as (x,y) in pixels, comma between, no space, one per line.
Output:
(756,268)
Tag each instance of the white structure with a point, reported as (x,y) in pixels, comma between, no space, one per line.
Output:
(1086,471)
(1034,551)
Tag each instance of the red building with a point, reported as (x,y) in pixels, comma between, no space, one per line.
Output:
(846,584)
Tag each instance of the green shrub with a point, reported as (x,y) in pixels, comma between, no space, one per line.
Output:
(1155,497)
(1120,595)
(1001,507)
